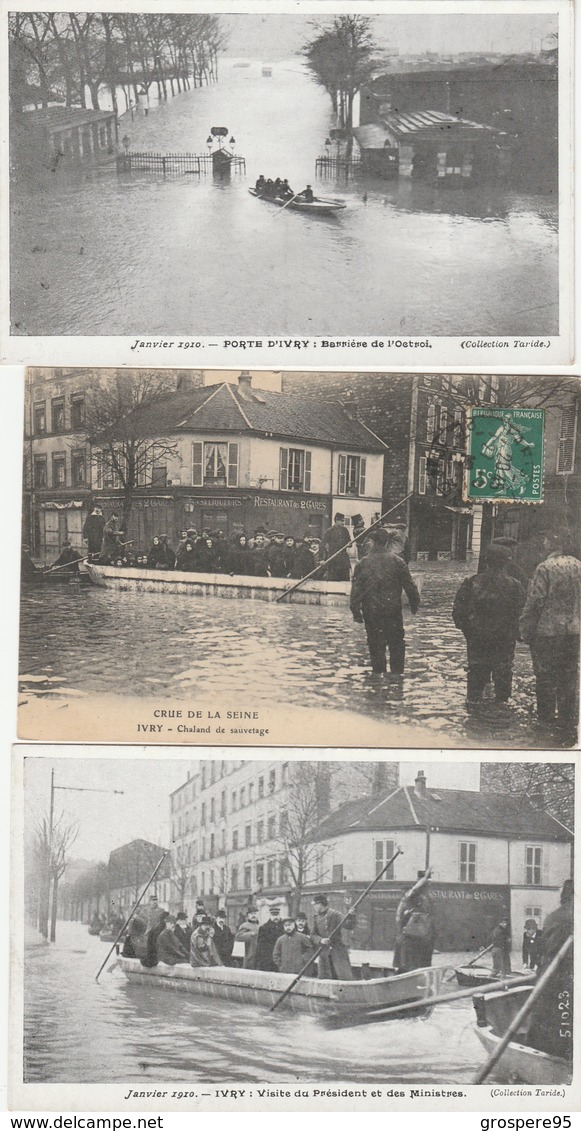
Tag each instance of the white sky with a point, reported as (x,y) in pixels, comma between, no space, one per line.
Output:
(272,37)
(107,820)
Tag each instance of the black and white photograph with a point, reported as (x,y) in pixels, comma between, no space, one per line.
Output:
(289,180)
(241,557)
(317,922)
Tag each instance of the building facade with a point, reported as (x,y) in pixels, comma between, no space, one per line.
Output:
(231,824)
(490,854)
(129,869)
(225,457)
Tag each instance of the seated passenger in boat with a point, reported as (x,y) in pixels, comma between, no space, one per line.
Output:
(203,950)
(307,195)
(169,949)
(186,562)
(247,933)
(259,556)
(275,554)
(239,558)
(150,957)
(134,941)
(28,570)
(68,560)
(223,939)
(286,191)
(278,187)
(207,556)
(269,189)
(289,556)
(183,932)
(260,184)
(292,949)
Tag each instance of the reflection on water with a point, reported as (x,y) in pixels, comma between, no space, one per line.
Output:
(140,255)
(83,640)
(78,1030)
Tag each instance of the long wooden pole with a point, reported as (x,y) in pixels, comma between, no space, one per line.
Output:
(320,948)
(67,565)
(287,204)
(524,1012)
(384,1014)
(131,914)
(479,955)
(363,534)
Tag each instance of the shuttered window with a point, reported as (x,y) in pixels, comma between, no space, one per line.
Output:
(422,476)
(352,474)
(342,474)
(533,864)
(567,439)
(197,465)
(283,472)
(294,469)
(232,465)
(443,424)
(307,479)
(384,850)
(431,423)
(467,862)
(362,473)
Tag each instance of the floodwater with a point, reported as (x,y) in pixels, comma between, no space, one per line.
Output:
(78,1030)
(80,641)
(139,255)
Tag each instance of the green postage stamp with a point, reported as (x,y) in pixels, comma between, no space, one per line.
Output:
(505,455)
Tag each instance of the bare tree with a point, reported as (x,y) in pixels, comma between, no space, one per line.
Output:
(123,431)
(546,785)
(46,863)
(183,861)
(303,806)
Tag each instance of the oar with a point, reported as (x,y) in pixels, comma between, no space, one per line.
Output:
(363,534)
(287,204)
(524,1012)
(66,565)
(132,913)
(320,948)
(362,1017)
(485,951)
(471,963)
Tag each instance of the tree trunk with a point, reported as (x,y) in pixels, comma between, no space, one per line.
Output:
(53,910)
(43,905)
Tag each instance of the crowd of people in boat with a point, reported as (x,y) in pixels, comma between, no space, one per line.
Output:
(281,944)
(279,189)
(262,553)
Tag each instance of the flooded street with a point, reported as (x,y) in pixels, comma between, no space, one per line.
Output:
(85,643)
(137,254)
(134,1033)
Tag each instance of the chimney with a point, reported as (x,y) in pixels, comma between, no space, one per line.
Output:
(245,385)
(189,379)
(420,784)
(351,406)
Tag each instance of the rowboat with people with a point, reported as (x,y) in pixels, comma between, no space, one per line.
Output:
(520,1062)
(230,586)
(320,996)
(318,206)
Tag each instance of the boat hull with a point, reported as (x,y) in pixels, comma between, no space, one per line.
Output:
(522,1064)
(318,207)
(330,593)
(519,1062)
(481,975)
(310,995)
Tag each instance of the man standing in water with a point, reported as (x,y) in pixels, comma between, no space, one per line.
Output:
(378,582)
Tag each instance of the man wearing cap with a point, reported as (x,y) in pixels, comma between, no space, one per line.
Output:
(110,543)
(334,540)
(154,914)
(268,933)
(247,933)
(334,959)
(378,582)
(486,609)
(550,624)
(275,554)
(169,949)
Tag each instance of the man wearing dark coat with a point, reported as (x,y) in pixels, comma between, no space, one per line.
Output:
(223,938)
(275,555)
(414,940)
(378,582)
(28,570)
(183,932)
(334,959)
(335,539)
(268,933)
(551,1020)
(93,531)
(501,945)
(169,950)
(110,543)
(486,609)
(292,949)
(532,945)
(68,560)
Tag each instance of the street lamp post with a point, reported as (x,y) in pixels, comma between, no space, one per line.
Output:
(52,877)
